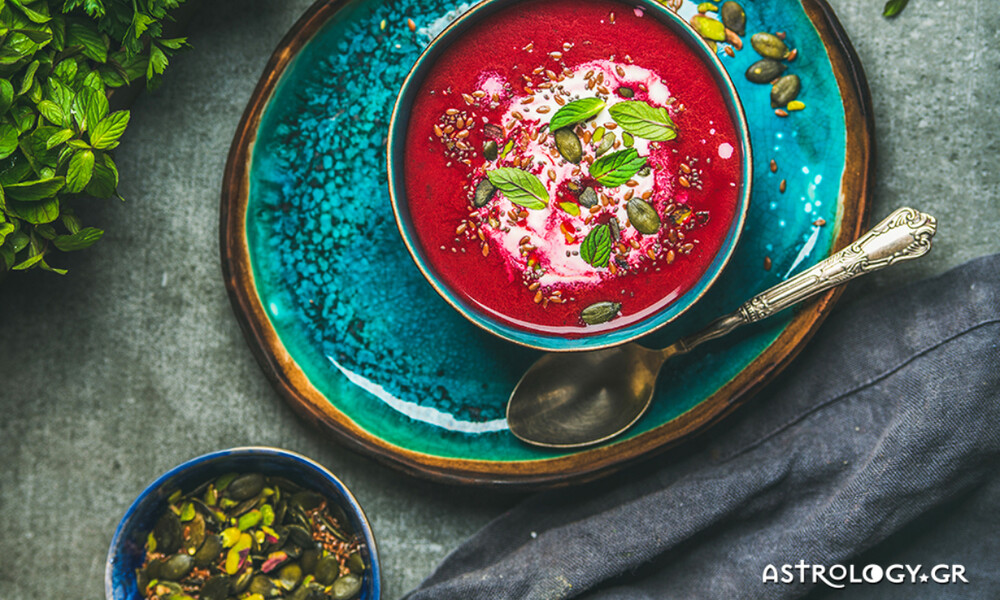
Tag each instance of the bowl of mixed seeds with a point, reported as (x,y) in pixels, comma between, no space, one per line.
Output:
(248,524)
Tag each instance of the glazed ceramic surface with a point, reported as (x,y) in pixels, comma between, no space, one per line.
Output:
(540,339)
(351,333)
(127,550)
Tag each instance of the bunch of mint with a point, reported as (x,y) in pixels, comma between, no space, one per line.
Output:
(59,61)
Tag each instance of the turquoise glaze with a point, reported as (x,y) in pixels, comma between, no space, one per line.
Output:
(540,340)
(374,338)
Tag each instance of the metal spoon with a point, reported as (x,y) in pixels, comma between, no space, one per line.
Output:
(571,400)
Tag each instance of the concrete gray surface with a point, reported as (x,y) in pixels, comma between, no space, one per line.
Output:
(134,362)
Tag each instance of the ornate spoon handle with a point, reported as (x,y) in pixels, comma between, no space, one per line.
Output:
(903,235)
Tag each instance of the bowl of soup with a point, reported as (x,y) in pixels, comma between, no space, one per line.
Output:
(569,174)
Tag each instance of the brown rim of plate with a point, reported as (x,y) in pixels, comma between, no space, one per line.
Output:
(290,381)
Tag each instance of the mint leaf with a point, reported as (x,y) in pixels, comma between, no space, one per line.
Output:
(105,134)
(596,247)
(27,264)
(51,111)
(36,16)
(80,240)
(8,140)
(894,7)
(81,169)
(92,44)
(520,187)
(644,121)
(615,169)
(90,107)
(33,191)
(105,179)
(6,96)
(36,213)
(59,137)
(576,112)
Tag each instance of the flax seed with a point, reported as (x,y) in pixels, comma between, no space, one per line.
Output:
(774,166)
(543,109)
(620,70)
(684,181)
(538,297)
(729,52)
(783,185)
(411,24)
(451,112)
(767,263)
(792,55)
(647,194)
(781,112)
(670,257)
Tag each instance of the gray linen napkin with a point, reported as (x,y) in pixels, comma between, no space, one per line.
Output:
(877,449)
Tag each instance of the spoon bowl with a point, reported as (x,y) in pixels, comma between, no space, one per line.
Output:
(582,399)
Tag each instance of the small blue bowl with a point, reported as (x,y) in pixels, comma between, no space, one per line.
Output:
(399,124)
(127,550)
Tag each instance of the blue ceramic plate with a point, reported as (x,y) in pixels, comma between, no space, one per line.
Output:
(127,551)
(355,338)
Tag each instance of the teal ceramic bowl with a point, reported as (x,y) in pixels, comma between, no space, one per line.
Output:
(399,126)
(127,550)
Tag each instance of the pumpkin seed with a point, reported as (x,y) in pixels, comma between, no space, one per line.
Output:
(167,533)
(289,577)
(245,487)
(616,229)
(607,142)
(784,90)
(209,551)
(601,312)
(355,563)
(346,587)
(260,584)
(598,135)
(490,150)
(327,570)
(769,45)
(216,588)
(645,171)
(734,17)
(177,567)
(627,140)
(242,581)
(626,92)
(588,199)
(569,145)
(765,70)
(484,193)
(643,216)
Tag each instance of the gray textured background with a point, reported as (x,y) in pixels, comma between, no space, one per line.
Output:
(134,362)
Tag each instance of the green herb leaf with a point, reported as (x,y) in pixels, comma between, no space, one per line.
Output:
(105,134)
(81,169)
(36,213)
(105,178)
(51,111)
(92,44)
(59,137)
(644,121)
(90,107)
(6,95)
(37,13)
(27,264)
(615,169)
(33,191)
(80,240)
(520,187)
(894,7)
(5,230)
(29,78)
(8,140)
(576,112)
(596,247)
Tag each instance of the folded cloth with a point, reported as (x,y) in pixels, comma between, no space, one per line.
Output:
(876,450)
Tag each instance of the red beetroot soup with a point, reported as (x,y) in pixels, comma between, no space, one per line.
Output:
(571,166)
